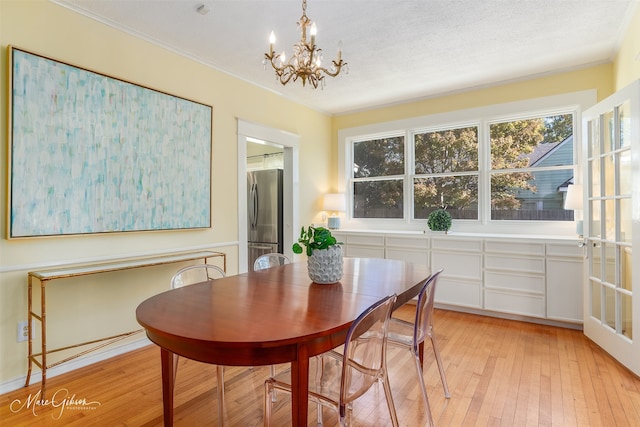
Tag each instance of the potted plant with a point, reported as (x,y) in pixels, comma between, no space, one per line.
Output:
(439,220)
(324,254)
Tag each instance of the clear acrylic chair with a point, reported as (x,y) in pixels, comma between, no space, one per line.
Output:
(272,259)
(344,377)
(269,260)
(411,335)
(190,275)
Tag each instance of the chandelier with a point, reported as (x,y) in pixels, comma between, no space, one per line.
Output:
(306,62)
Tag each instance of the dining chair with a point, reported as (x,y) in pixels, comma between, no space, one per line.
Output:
(344,377)
(272,259)
(190,275)
(410,335)
(269,260)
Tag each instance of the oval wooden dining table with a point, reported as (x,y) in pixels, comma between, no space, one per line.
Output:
(270,316)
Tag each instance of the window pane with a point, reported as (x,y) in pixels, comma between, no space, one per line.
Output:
(529,196)
(545,141)
(458,194)
(452,150)
(378,157)
(378,199)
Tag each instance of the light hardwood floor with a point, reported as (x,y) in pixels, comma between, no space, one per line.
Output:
(500,373)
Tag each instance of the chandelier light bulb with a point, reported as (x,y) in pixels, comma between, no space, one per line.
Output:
(272,37)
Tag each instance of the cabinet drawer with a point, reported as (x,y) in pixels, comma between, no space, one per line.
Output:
(458,292)
(513,247)
(460,265)
(518,282)
(365,239)
(508,263)
(409,255)
(364,251)
(527,305)
(454,244)
(565,250)
(407,242)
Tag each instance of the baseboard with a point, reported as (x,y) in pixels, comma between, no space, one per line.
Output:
(509,316)
(98,356)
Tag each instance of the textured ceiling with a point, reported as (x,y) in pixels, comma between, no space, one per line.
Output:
(397,50)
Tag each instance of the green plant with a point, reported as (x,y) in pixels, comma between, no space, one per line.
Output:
(314,238)
(439,220)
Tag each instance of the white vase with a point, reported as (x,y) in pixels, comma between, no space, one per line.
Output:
(325,265)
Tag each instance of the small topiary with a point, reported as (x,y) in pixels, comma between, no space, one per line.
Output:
(439,220)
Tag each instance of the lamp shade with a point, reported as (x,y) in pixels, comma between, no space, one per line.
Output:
(334,202)
(573,201)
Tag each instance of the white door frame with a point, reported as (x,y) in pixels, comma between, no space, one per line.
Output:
(291,217)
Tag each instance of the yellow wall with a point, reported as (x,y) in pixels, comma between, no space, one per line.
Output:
(598,77)
(45,28)
(627,61)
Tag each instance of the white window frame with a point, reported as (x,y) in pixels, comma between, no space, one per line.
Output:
(574,102)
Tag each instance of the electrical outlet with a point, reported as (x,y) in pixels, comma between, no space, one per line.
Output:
(23,331)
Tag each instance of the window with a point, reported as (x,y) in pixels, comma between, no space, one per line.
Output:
(531,166)
(446,172)
(489,167)
(378,178)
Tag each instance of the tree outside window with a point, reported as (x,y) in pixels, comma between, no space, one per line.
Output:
(378,178)
(446,168)
(529,166)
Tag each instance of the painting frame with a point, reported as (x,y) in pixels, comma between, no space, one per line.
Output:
(91,153)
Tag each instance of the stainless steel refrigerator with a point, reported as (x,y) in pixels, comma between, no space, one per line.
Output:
(264,192)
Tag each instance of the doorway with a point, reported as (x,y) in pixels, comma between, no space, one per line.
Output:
(287,143)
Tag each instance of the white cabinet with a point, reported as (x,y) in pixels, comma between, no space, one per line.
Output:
(407,248)
(514,277)
(532,277)
(461,280)
(362,245)
(564,281)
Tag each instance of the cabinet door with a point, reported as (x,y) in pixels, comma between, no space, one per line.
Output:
(564,289)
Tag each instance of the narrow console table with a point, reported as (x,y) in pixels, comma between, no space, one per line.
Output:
(46,276)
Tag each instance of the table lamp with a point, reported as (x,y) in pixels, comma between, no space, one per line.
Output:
(573,201)
(333,204)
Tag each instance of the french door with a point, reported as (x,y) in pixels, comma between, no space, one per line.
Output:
(611,131)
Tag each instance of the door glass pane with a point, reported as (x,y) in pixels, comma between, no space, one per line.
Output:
(626,228)
(609,263)
(608,134)
(609,220)
(594,229)
(624,113)
(626,269)
(609,307)
(627,311)
(596,300)
(624,171)
(594,174)
(594,138)
(608,175)
(595,256)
